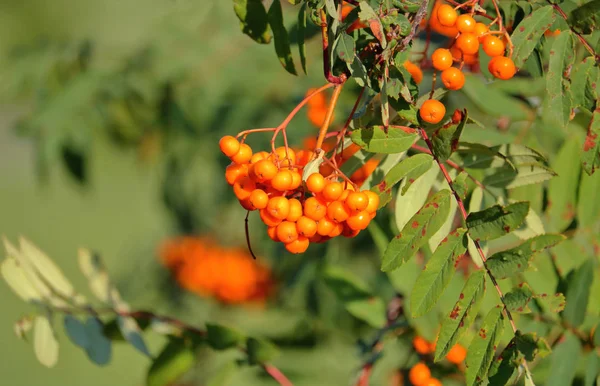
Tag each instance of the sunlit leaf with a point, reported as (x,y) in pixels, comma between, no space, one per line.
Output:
(529,32)
(482,350)
(45,344)
(496,221)
(375,139)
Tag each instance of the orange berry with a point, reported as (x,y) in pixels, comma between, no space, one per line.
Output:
(480,30)
(285,158)
(278,207)
(295,210)
(332,191)
(229,145)
(357,201)
(414,71)
(317,100)
(349,232)
(243,155)
(432,382)
(502,67)
(421,346)
(337,230)
(457,354)
(325,169)
(246,204)
(315,183)
(317,115)
(265,170)
(359,221)
(300,245)
(338,211)
(325,226)
(302,157)
(442,59)
(446,15)
(286,232)
(268,219)
(258,199)
(314,208)
(272,233)
(258,156)
(419,374)
(453,78)
(467,43)
(465,23)
(493,46)
(234,171)
(317,238)
(296,180)
(432,111)
(306,227)
(243,187)
(283,180)
(373,204)
(459,56)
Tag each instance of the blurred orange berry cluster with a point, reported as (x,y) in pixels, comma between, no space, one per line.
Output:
(317,108)
(202,266)
(456,355)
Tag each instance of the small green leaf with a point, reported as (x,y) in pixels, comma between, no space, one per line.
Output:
(518,299)
(482,350)
(445,139)
(557,104)
(16,278)
(76,331)
(438,272)
(588,209)
(507,263)
(578,294)
(564,361)
(496,221)
(175,359)
(132,333)
(424,224)
(260,351)
(280,35)
(93,269)
(345,47)
(409,202)
(221,337)
(374,139)
(529,32)
(590,157)
(410,168)
(531,346)
(585,19)
(99,350)
(502,369)
(45,344)
(562,190)
(253,19)
(462,315)
(552,303)
(301,36)
(582,75)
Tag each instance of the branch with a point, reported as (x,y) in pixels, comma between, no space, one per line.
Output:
(587,45)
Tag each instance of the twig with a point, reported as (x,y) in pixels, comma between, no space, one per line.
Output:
(248,235)
(277,375)
(421,13)
(587,45)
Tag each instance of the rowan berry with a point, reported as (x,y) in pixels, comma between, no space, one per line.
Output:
(467,43)
(419,374)
(349,232)
(258,199)
(337,230)
(317,115)
(285,156)
(502,67)
(314,208)
(338,211)
(460,56)
(265,170)
(373,204)
(315,183)
(325,226)
(296,180)
(359,221)
(465,23)
(245,203)
(256,157)
(234,171)
(286,232)
(414,71)
(278,207)
(243,187)
(268,219)
(229,145)
(457,354)
(243,155)
(421,345)
(302,157)
(325,169)
(480,30)
(283,180)
(493,46)
(446,15)
(453,78)
(332,190)
(306,227)
(300,245)
(357,201)
(272,233)
(442,59)
(317,100)
(295,210)
(432,111)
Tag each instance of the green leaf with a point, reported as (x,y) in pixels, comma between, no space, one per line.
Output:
(386,163)
(564,361)
(592,370)
(424,224)
(260,351)
(301,32)
(562,191)
(518,299)
(175,359)
(344,48)
(507,263)
(578,294)
(409,202)
(368,15)
(410,168)
(280,35)
(45,344)
(76,331)
(482,350)
(531,346)
(588,209)
(372,311)
(221,337)
(557,106)
(496,221)
(529,32)
(582,75)
(460,184)
(16,278)
(493,102)
(502,369)
(585,19)
(94,271)
(445,139)
(132,333)
(99,349)
(253,19)
(525,174)
(438,272)
(374,139)
(462,315)
(590,157)
(552,303)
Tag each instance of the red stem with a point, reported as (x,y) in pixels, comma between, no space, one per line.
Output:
(326,63)
(277,375)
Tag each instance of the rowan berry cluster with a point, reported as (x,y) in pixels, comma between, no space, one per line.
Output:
(420,374)
(296,212)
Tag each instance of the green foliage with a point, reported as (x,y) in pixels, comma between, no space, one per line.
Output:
(175,359)
(378,140)
(481,351)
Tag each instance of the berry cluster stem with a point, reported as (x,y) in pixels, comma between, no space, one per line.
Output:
(327,122)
